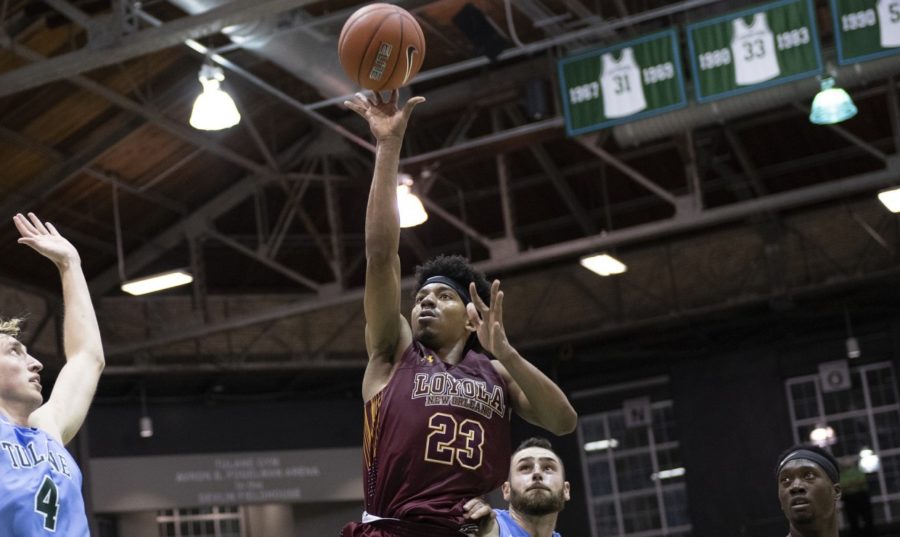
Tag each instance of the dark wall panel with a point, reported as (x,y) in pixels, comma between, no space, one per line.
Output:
(186,428)
(734,422)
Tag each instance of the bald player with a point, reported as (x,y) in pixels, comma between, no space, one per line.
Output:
(438,389)
(40,484)
(809,491)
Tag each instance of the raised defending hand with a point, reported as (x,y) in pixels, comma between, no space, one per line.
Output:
(488,320)
(385,119)
(43,238)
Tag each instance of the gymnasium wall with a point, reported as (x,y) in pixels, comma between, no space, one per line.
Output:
(730,404)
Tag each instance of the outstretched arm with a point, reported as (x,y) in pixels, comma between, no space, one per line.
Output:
(65,410)
(386,330)
(534,396)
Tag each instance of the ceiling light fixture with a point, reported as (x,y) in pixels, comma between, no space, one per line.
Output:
(822,436)
(667,474)
(869,462)
(601,445)
(831,105)
(890,199)
(214,109)
(603,264)
(145,424)
(157,282)
(412,212)
(851,342)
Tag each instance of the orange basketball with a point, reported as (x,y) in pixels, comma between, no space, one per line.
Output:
(381,47)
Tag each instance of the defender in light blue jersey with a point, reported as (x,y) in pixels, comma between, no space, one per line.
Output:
(536,490)
(40,484)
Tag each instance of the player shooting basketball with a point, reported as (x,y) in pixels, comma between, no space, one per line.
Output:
(40,484)
(439,390)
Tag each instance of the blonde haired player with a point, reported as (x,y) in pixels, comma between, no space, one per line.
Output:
(40,484)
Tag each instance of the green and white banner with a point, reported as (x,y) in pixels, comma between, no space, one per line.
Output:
(866,29)
(758,47)
(623,82)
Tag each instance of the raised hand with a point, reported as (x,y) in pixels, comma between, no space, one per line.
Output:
(385,119)
(488,320)
(45,240)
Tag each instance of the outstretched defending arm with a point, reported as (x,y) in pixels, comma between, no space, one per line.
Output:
(534,396)
(387,333)
(62,415)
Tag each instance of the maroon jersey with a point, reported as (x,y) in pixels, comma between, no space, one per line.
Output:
(435,437)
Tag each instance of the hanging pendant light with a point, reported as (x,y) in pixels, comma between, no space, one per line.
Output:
(831,105)
(412,213)
(214,109)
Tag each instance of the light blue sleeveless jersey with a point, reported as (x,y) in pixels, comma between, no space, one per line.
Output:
(508,526)
(40,486)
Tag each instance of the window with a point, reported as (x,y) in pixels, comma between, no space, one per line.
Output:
(200,522)
(865,415)
(634,475)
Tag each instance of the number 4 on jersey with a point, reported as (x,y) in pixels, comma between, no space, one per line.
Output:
(46,502)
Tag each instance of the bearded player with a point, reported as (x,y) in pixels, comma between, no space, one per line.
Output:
(536,490)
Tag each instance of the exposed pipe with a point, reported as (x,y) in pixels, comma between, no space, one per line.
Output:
(259,82)
(308,56)
(530,49)
(707,218)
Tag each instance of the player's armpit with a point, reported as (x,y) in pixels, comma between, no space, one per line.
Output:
(64,412)
(536,398)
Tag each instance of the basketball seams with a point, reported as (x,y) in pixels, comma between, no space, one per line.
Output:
(347,32)
(400,52)
(368,46)
(358,17)
(377,46)
(421,34)
(416,64)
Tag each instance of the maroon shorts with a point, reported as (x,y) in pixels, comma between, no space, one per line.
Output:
(396,528)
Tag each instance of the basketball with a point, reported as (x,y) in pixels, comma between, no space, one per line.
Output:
(381,47)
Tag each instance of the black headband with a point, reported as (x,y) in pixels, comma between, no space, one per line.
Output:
(452,284)
(827,466)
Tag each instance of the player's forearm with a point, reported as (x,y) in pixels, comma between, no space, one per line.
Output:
(549,405)
(81,334)
(382,215)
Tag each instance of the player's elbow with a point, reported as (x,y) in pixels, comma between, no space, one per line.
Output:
(95,360)
(565,423)
(381,246)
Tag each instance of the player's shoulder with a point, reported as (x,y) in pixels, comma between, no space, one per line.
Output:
(8,426)
(414,353)
(44,422)
(505,523)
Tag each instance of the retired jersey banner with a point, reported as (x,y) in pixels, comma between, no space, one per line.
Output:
(758,47)
(623,82)
(866,29)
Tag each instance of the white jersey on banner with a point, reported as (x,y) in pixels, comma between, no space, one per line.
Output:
(623,92)
(889,22)
(753,50)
